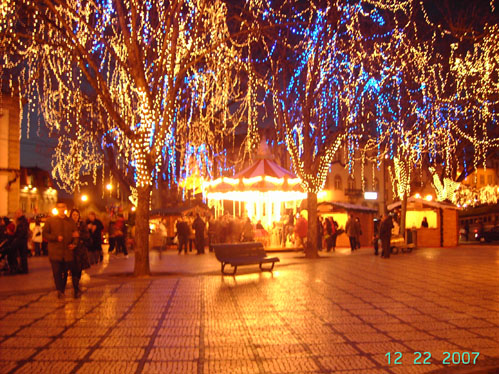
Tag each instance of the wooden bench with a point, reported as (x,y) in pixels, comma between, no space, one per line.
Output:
(238,254)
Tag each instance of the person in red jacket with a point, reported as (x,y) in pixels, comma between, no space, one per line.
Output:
(301,230)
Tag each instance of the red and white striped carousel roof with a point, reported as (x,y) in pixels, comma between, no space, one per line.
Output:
(263,175)
(265,167)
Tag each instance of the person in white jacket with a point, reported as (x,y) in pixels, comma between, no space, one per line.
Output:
(37,238)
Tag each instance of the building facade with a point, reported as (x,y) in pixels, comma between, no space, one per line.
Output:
(9,154)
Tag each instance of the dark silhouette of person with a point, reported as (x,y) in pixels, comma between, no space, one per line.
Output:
(59,232)
(182,234)
(199,227)
(20,242)
(385,234)
(424,223)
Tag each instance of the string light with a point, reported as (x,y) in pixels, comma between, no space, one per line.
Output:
(131,83)
(446,190)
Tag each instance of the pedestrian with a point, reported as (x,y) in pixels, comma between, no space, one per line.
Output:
(385,234)
(182,234)
(191,237)
(82,243)
(248,232)
(358,232)
(111,237)
(163,231)
(212,232)
(37,237)
(59,231)
(199,227)
(259,225)
(95,228)
(119,235)
(320,233)
(328,229)
(10,249)
(334,225)
(20,242)
(301,231)
(351,230)
(377,223)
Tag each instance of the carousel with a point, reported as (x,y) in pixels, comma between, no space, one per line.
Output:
(265,192)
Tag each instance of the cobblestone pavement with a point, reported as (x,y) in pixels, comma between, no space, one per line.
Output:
(341,313)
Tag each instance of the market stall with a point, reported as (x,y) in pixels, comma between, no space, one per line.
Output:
(340,212)
(442,218)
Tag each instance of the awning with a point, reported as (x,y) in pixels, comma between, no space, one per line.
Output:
(424,203)
(329,206)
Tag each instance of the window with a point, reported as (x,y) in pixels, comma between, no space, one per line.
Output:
(482,179)
(489,179)
(351,183)
(376,184)
(337,182)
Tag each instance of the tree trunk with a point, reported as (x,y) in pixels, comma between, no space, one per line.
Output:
(311,247)
(142,232)
(403,213)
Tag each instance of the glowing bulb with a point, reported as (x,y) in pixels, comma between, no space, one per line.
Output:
(109,186)
(417,196)
(133,209)
(429,197)
(55,211)
(84,198)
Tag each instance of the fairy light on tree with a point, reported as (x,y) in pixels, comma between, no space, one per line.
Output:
(426,112)
(125,85)
(321,86)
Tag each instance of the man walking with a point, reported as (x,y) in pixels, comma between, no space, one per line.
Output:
(182,234)
(199,226)
(385,234)
(95,228)
(20,242)
(119,235)
(59,232)
(351,230)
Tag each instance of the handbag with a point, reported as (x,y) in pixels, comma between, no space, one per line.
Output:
(81,257)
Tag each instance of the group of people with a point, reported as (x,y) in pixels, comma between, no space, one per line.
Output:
(330,231)
(73,246)
(117,232)
(189,232)
(14,237)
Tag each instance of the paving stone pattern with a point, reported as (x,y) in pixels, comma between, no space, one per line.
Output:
(342,314)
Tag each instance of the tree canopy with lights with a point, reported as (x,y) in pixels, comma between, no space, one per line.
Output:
(324,84)
(126,84)
(383,79)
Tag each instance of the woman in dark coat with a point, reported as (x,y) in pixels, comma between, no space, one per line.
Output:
(82,243)
(385,234)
